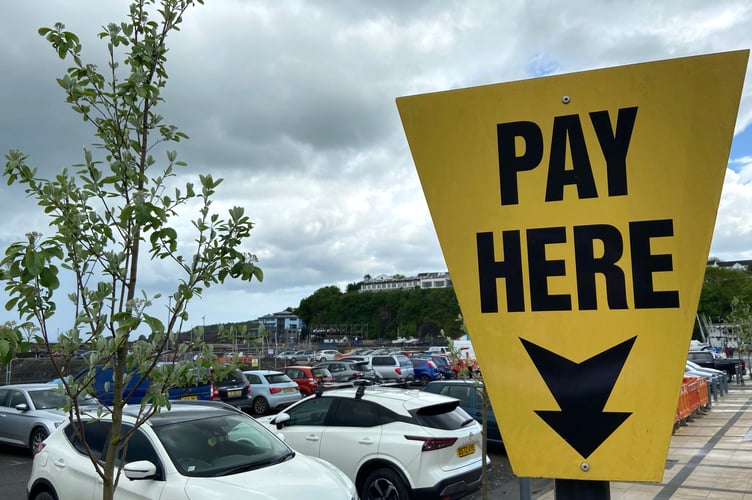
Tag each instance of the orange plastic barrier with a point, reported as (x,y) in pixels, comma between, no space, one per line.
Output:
(683,409)
(694,393)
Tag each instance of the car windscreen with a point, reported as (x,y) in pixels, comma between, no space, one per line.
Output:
(52,398)
(445,416)
(221,445)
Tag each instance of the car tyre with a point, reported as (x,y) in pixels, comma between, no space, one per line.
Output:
(260,406)
(384,484)
(424,379)
(38,435)
(44,495)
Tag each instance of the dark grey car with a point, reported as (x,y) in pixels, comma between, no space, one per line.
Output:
(348,371)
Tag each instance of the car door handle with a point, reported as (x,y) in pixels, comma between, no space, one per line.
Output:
(59,463)
(366,440)
(312,437)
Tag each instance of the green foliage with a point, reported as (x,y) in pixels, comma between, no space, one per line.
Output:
(719,288)
(418,312)
(110,212)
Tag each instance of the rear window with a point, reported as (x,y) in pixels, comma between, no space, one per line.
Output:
(404,361)
(361,366)
(320,372)
(277,378)
(382,360)
(446,416)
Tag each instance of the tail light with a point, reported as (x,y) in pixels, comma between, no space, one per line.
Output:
(215,392)
(398,370)
(431,364)
(275,390)
(38,448)
(431,444)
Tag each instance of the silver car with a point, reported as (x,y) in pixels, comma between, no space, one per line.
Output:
(271,390)
(29,413)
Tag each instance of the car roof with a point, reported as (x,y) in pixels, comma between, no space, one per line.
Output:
(264,372)
(392,397)
(183,411)
(31,387)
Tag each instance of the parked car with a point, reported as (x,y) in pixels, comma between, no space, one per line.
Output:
(233,388)
(444,365)
(393,368)
(299,356)
(271,390)
(425,370)
(285,355)
(709,359)
(31,412)
(470,392)
(137,389)
(327,355)
(349,371)
(393,443)
(310,378)
(195,449)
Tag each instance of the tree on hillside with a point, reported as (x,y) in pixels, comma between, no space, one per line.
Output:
(112,211)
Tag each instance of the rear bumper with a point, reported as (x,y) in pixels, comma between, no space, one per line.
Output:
(453,487)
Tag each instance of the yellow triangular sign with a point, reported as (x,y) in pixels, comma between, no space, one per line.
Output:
(575,214)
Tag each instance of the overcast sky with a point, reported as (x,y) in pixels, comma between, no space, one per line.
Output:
(293,103)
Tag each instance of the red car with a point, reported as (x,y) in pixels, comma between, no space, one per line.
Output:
(310,378)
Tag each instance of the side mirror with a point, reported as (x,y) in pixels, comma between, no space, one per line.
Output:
(281,420)
(141,469)
(22,407)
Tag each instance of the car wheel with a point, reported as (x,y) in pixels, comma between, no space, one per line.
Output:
(424,379)
(384,484)
(260,406)
(44,495)
(293,361)
(323,358)
(38,435)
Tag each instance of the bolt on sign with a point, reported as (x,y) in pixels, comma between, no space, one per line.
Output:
(575,214)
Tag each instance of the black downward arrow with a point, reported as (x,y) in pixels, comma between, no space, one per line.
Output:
(581,390)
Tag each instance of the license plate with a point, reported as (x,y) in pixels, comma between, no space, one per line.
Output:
(290,389)
(466,450)
(189,397)
(233,394)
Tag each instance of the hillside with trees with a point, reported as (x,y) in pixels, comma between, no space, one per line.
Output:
(420,313)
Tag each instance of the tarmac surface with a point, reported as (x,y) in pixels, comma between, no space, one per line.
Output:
(710,457)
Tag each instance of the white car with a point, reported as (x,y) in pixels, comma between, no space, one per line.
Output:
(196,450)
(393,443)
(327,355)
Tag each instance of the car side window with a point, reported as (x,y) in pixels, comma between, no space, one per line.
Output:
(94,434)
(355,413)
(4,397)
(254,379)
(460,392)
(380,361)
(310,412)
(16,398)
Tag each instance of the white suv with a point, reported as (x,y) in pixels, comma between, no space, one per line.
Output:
(393,443)
(194,451)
